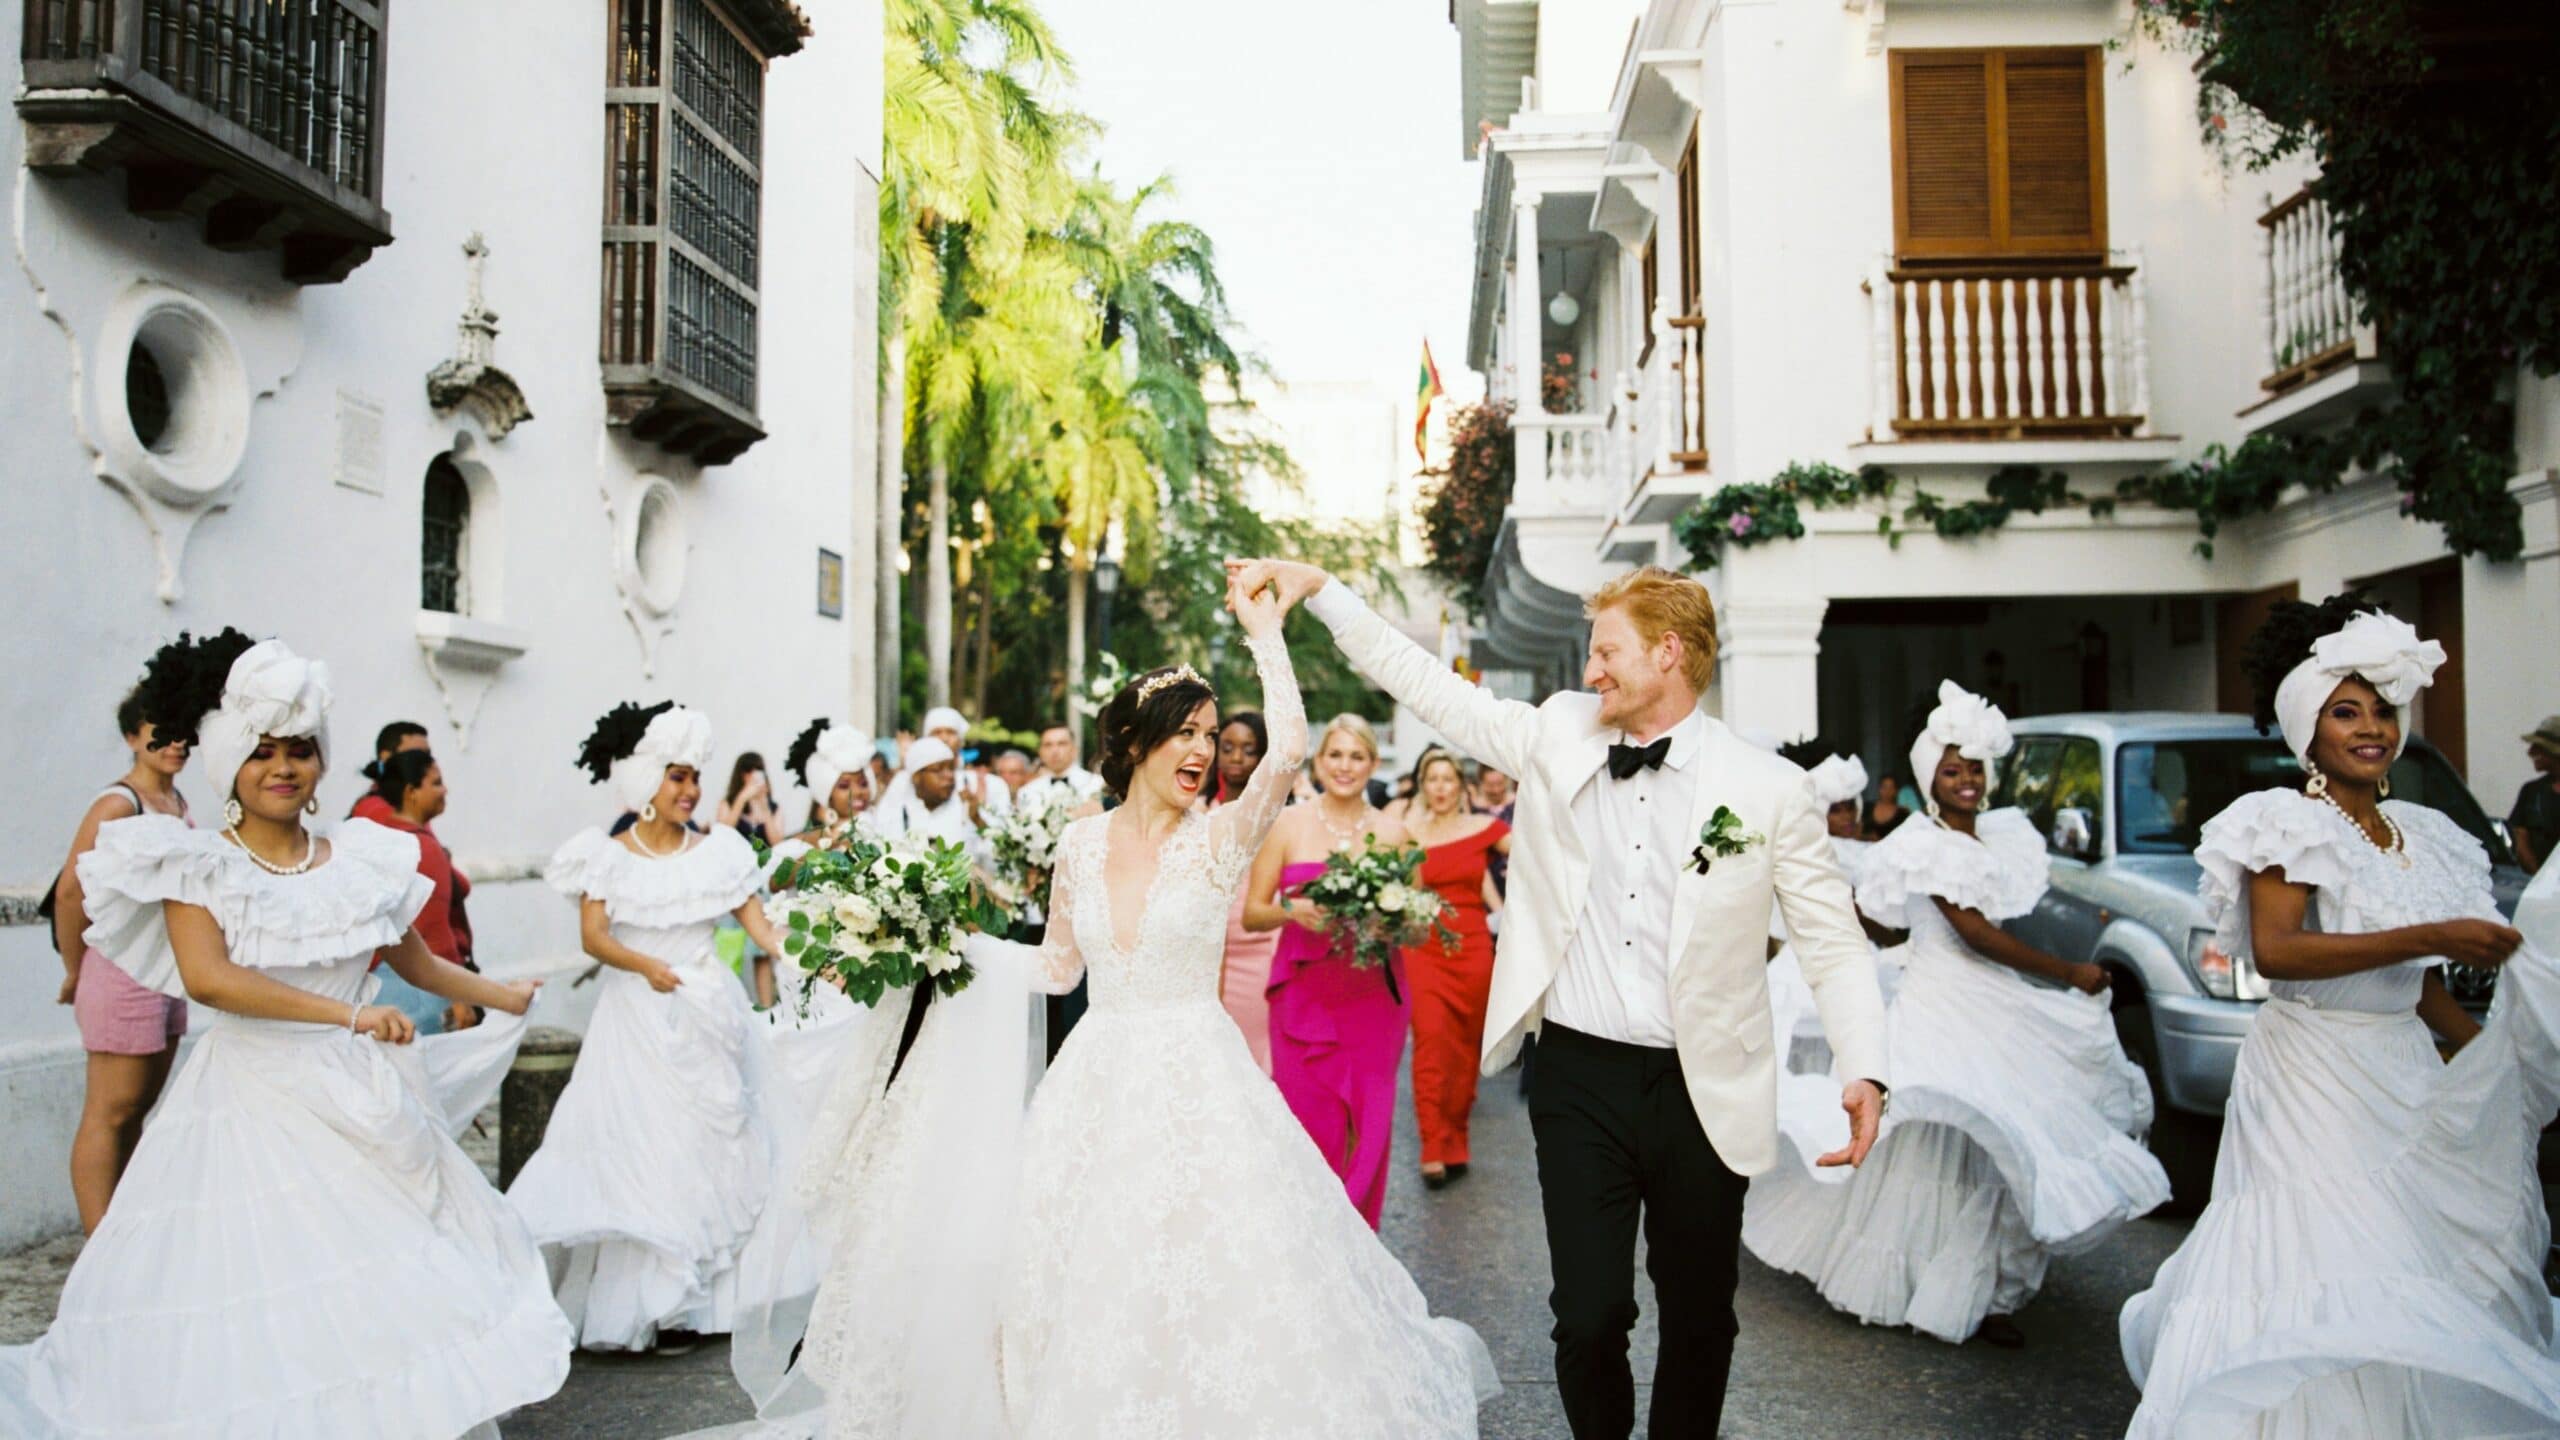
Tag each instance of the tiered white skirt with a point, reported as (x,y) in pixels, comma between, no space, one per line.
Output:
(297,1249)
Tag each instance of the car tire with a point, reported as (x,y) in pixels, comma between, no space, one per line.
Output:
(2183,1142)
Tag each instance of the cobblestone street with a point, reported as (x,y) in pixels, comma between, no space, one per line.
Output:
(1479,1253)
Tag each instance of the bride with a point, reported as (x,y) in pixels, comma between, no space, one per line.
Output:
(1152,1249)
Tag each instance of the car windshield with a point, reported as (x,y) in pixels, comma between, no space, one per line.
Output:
(2167,789)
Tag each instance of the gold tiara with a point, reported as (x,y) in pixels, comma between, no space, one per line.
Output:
(1162,678)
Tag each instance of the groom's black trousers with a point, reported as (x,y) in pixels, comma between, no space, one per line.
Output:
(1618,1140)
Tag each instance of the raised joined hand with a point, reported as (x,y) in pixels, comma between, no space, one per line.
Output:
(1288,581)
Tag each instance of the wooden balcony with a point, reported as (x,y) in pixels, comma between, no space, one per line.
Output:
(2310,320)
(259,119)
(2008,351)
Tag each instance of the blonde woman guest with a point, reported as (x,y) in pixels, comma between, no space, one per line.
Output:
(1242,742)
(130,1033)
(1449,980)
(298,1248)
(1337,1030)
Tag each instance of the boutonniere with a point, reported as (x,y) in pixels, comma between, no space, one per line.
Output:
(1720,837)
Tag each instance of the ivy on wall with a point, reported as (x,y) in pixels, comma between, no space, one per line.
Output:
(2217,487)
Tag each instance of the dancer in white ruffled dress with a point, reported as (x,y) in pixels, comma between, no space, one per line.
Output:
(2370,1264)
(1840,788)
(2014,1130)
(664,1149)
(297,1249)
(1155,1250)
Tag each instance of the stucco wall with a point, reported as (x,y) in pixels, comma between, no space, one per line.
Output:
(494,124)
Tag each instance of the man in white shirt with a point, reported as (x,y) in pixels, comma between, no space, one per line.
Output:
(1061,779)
(930,803)
(1649,845)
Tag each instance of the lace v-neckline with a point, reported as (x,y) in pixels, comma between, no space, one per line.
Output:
(1146,898)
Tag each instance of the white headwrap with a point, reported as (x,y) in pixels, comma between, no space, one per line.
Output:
(2384,649)
(270,691)
(676,736)
(1838,778)
(928,752)
(1965,720)
(839,749)
(943,717)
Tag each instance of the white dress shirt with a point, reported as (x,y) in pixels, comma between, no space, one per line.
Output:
(907,815)
(1073,788)
(1616,979)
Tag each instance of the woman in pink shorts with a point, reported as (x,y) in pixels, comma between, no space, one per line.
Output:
(131,1033)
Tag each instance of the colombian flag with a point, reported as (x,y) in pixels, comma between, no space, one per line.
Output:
(1427,390)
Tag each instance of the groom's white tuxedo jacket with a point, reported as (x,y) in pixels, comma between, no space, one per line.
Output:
(1719,920)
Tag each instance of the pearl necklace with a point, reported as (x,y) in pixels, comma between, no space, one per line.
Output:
(310,851)
(642,841)
(2398,849)
(1341,840)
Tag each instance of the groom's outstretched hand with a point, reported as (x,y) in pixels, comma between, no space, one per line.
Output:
(1290,581)
(1865,1105)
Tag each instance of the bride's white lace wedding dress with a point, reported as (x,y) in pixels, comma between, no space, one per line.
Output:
(1154,1251)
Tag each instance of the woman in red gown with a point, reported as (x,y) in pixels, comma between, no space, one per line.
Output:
(1448,981)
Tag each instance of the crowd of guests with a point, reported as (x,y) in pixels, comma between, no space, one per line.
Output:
(2019,1117)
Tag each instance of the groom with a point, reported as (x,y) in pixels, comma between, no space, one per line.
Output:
(1648,845)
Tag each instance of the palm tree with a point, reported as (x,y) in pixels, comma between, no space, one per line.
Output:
(973,163)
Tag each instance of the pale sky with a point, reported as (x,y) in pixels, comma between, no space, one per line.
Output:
(1317,142)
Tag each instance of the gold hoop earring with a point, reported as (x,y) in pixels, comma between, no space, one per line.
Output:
(1930,806)
(311,804)
(2382,787)
(231,811)
(829,811)
(2318,785)
(649,813)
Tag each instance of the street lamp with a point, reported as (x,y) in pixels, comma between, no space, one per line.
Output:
(1106,582)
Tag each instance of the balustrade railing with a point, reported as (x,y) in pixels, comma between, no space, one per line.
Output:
(1563,462)
(2009,351)
(1688,336)
(2309,318)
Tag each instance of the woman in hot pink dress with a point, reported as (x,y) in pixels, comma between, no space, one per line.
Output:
(1247,970)
(1337,1030)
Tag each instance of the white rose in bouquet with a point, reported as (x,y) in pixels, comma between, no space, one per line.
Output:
(855,915)
(1393,898)
(940,961)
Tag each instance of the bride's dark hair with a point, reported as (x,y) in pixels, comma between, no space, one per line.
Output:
(1132,728)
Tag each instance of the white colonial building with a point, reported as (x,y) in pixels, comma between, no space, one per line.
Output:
(514,358)
(1942,238)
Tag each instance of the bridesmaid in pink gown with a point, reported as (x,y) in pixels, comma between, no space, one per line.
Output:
(1337,1030)
(1241,743)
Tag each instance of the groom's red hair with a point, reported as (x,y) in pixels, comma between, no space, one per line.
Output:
(1662,602)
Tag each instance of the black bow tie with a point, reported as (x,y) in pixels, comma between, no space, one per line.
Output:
(1625,760)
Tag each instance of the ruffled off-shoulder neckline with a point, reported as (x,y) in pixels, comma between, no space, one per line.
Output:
(361,897)
(1999,870)
(709,879)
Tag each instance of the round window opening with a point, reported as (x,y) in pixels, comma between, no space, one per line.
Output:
(658,549)
(146,397)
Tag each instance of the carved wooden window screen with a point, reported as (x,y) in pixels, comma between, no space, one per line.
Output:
(684,111)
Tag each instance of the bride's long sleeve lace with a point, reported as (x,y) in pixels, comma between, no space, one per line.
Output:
(1053,966)
(1237,830)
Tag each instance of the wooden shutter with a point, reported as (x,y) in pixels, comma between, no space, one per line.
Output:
(1687,182)
(1998,153)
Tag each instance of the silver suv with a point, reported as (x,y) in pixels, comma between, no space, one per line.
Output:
(2120,798)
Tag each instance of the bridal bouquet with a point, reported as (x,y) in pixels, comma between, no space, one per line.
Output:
(874,917)
(1375,898)
(1026,846)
